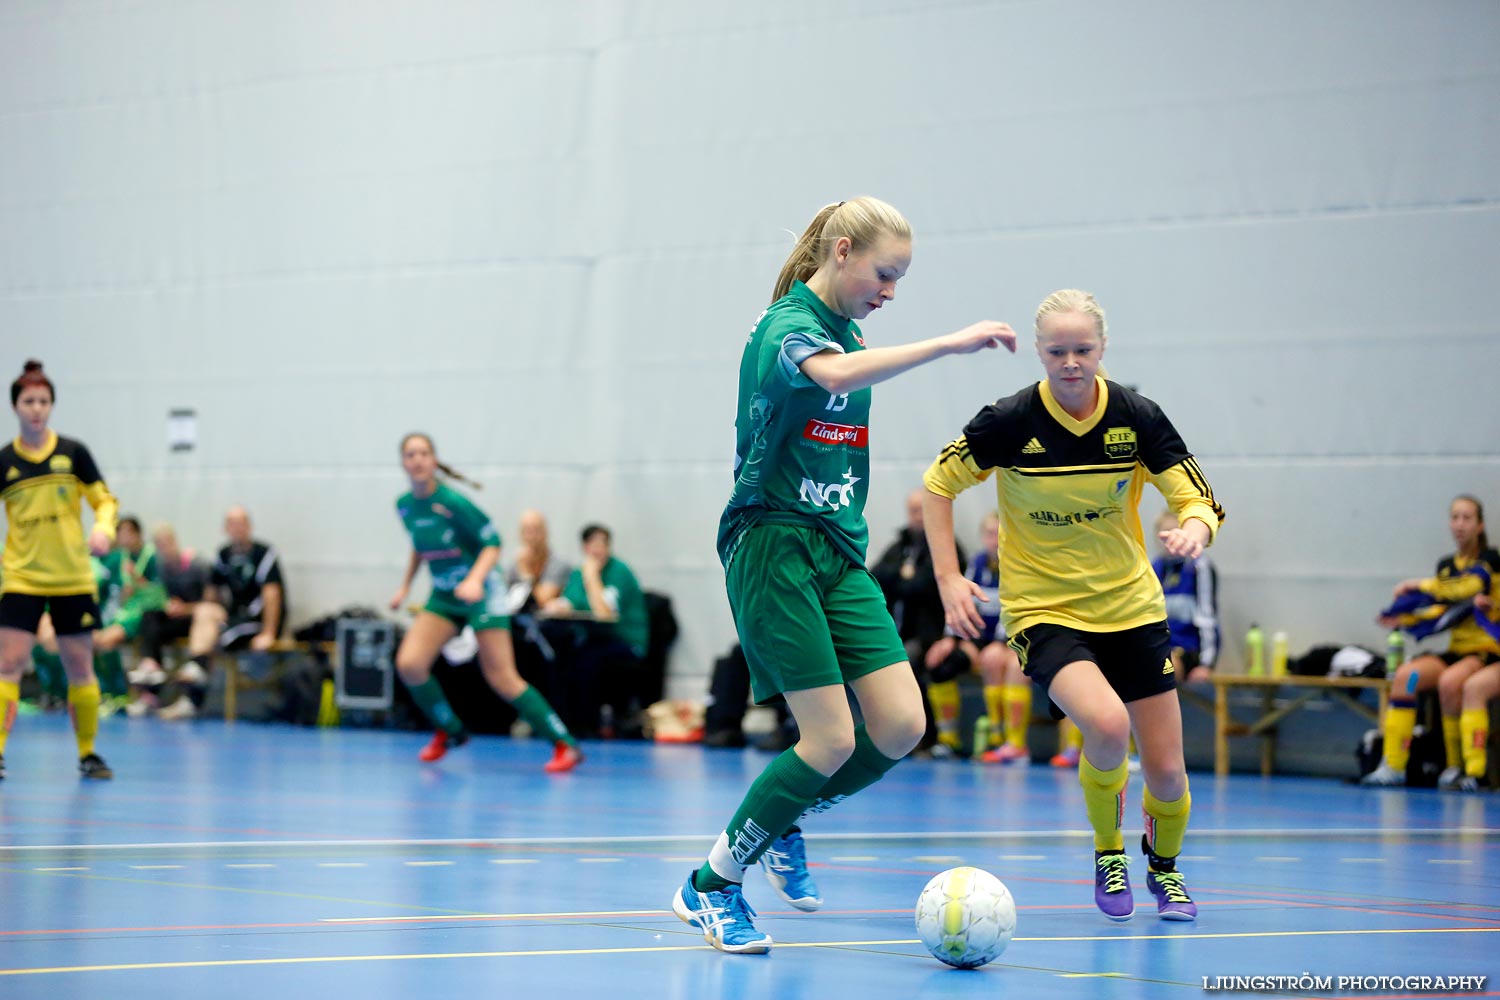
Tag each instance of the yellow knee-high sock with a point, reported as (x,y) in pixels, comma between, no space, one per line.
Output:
(1017,713)
(994,707)
(83,706)
(1474,735)
(1104,798)
(1400,720)
(1452,743)
(1166,822)
(1071,736)
(945,698)
(10,699)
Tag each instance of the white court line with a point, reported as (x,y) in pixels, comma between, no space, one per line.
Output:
(936,859)
(493,916)
(153,868)
(427,864)
(512,861)
(249,866)
(62,869)
(1449,861)
(1358,832)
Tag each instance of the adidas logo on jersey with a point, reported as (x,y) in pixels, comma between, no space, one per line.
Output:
(1166,666)
(1033,447)
(12,473)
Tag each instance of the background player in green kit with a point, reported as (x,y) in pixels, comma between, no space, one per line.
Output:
(461,549)
(792,539)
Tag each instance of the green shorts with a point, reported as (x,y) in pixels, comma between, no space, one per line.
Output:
(807,617)
(486,614)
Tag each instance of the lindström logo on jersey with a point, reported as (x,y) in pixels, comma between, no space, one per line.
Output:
(829,494)
(856,436)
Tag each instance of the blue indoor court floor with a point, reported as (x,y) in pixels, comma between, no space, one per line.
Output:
(276,862)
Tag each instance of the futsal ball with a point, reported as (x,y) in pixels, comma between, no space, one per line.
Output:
(966,917)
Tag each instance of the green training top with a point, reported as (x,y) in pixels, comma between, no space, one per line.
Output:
(448,532)
(623,593)
(129,582)
(802,454)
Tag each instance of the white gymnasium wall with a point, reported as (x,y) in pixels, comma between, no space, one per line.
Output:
(542,232)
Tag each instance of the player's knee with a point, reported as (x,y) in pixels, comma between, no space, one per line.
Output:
(950,667)
(1107,730)
(828,749)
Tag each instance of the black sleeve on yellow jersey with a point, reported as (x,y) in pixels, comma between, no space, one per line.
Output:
(1161,447)
(992,436)
(84,467)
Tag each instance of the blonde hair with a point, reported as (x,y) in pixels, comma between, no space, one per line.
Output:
(864,220)
(1072,300)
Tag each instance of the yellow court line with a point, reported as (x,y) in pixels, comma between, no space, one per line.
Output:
(310,960)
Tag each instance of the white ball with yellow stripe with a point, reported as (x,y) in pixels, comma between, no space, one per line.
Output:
(966,917)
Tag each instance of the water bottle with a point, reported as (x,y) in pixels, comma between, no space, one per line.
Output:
(981,735)
(1278,654)
(1395,651)
(1255,651)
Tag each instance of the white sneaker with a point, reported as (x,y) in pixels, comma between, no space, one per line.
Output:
(1449,778)
(191,673)
(1133,765)
(142,706)
(182,708)
(147,675)
(1385,774)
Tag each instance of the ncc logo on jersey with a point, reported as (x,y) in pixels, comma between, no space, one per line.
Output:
(829,494)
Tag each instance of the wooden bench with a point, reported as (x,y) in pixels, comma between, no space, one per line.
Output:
(234,682)
(1341,689)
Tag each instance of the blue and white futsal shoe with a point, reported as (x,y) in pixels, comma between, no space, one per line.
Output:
(785,862)
(726,920)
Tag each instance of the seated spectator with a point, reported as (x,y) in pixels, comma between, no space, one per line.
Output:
(538,575)
(1459,577)
(905,575)
(1007,691)
(129,589)
(187,614)
(606,663)
(1481,688)
(1192,590)
(246,602)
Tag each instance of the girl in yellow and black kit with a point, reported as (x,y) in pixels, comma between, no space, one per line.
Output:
(1470,573)
(43,479)
(1079,600)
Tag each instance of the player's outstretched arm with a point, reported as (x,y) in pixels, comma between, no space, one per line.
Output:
(840,373)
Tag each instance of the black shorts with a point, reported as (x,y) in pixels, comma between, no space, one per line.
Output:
(1485,659)
(1137,662)
(72,614)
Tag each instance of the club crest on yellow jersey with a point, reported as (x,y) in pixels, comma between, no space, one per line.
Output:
(1119,442)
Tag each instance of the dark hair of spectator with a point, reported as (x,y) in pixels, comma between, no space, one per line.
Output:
(31,376)
(590,530)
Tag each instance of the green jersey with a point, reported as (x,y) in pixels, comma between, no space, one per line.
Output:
(622,592)
(129,583)
(448,532)
(802,454)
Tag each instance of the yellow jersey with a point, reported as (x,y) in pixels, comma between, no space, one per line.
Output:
(46,551)
(1070,493)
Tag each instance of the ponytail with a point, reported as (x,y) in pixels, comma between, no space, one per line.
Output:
(443,467)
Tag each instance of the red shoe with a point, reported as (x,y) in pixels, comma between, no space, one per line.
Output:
(1066,758)
(442,740)
(565,757)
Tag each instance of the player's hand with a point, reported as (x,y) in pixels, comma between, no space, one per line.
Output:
(399,599)
(1482,602)
(959,594)
(262,641)
(470,591)
(99,543)
(1178,542)
(985,335)
(1387,621)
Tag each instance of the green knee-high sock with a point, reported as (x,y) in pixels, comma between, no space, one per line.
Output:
(784,789)
(864,767)
(533,707)
(434,704)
